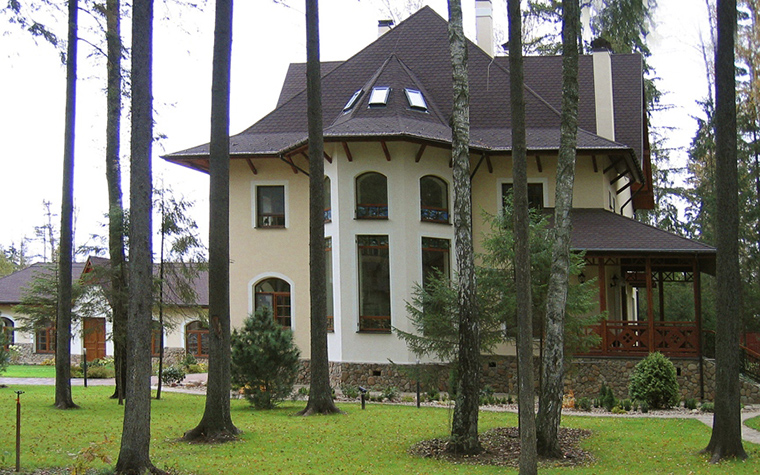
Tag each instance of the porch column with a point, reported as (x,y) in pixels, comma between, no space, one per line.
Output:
(697,283)
(662,296)
(603,303)
(650,305)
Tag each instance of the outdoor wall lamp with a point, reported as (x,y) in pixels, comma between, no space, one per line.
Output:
(614,281)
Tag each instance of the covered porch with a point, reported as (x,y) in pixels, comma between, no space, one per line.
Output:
(633,263)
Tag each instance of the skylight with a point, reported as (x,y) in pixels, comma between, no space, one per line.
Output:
(379,96)
(351,102)
(416,99)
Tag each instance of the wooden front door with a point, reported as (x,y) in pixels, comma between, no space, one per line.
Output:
(95,338)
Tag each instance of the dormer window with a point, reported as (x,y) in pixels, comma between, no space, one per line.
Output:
(352,102)
(379,96)
(416,100)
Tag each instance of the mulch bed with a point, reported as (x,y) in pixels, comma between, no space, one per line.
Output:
(501,446)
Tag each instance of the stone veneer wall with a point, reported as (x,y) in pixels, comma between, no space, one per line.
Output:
(584,376)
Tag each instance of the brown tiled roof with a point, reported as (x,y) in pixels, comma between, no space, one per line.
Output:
(415,54)
(601,231)
(199,283)
(12,286)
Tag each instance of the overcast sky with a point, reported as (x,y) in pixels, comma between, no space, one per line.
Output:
(267,37)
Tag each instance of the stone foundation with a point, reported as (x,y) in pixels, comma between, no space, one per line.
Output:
(584,376)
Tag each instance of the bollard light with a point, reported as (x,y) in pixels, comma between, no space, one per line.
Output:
(18,430)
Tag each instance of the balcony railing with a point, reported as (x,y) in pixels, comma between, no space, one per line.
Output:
(639,338)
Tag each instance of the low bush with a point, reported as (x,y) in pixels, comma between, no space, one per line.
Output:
(197,368)
(584,404)
(654,382)
(100,372)
(350,391)
(390,393)
(690,403)
(707,407)
(172,375)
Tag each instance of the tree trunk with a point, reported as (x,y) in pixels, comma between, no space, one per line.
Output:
(65,256)
(118,276)
(320,394)
(726,439)
(216,423)
(464,426)
(134,454)
(525,383)
(552,380)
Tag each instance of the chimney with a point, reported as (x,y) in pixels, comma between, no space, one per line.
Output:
(484,25)
(383,27)
(603,96)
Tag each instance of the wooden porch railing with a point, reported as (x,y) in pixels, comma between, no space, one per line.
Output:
(639,338)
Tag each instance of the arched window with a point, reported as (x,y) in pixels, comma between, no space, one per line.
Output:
(196,339)
(328,206)
(44,338)
(371,196)
(7,327)
(275,294)
(434,200)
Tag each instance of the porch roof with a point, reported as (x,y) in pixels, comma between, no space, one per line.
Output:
(602,233)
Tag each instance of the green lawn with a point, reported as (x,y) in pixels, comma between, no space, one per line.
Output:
(28,371)
(371,441)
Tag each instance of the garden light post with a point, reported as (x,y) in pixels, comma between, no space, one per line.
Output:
(18,430)
(84,365)
(418,384)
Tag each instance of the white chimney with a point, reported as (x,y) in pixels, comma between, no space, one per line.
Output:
(484,25)
(605,110)
(383,27)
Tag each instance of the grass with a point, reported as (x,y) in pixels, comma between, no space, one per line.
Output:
(753,423)
(28,371)
(371,441)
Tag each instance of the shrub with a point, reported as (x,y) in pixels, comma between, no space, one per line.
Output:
(264,360)
(433,394)
(584,404)
(627,404)
(350,391)
(188,360)
(5,353)
(654,382)
(690,403)
(607,398)
(707,407)
(644,407)
(172,374)
(48,362)
(618,410)
(390,393)
(197,368)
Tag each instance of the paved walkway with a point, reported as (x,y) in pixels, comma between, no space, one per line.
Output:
(195,384)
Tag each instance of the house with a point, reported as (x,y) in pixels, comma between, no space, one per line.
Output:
(38,345)
(388,199)
(185,330)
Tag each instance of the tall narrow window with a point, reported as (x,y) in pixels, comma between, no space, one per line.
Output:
(434,200)
(535,194)
(44,338)
(374,284)
(6,325)
(371,196)
(196,339)
(270,206)
(155,338)
(435,259)
(275,294)
(328,205)
(329,286)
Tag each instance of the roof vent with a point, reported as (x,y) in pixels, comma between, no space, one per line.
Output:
(352,102)
(416,99)
(379,96)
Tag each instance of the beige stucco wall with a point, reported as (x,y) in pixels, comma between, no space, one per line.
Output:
(261,253)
